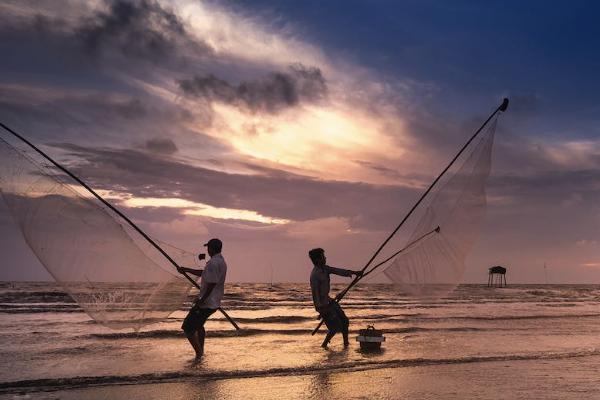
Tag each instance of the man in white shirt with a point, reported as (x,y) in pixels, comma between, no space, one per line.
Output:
(212,288)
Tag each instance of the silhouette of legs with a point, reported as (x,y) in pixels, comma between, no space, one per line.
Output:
(336,321)
(327,339)
(345,325)
(193,326)
(196,339)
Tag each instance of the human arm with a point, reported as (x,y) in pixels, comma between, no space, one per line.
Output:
(342,272)
(197,272)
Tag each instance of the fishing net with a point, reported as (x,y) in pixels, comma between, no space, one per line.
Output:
(108,268)
(434,263)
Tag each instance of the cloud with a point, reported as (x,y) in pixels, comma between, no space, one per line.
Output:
(270,94)
(100,41)
(282,196)
(133,108)
(152,215)
(327,228)
(551,185)
(409,179)
(161,146)
(190,208)
(137,29)
(591,264)
(124,66)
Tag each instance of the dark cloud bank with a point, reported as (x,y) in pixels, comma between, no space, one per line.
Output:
(134,30)
(137,29)
(279,195)
(276,91)
(86,63)
(284,195)
(161,146)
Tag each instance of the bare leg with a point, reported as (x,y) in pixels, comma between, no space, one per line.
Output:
(327,339)
(345,326)
(194,339)
(201,336)
(345,335)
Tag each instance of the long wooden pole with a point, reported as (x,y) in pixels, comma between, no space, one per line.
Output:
(501,108)
(114,209)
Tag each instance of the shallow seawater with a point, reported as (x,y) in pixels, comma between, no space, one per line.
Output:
(49,347)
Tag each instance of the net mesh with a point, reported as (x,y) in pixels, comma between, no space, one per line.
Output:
(108,268)
(434,264)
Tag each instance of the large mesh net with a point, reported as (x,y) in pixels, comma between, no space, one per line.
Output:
(107,267)
(434,263)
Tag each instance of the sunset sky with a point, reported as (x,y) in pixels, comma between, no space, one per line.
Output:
(279,126)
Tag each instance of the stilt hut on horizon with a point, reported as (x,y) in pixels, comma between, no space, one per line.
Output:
(496,276)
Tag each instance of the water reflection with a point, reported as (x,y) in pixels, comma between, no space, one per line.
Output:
(320,384)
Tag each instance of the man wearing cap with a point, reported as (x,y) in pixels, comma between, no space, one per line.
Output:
(329,309)
(212,288)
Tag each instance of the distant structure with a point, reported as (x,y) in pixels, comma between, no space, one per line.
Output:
(496,274)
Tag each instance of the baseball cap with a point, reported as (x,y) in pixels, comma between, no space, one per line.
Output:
(214,243)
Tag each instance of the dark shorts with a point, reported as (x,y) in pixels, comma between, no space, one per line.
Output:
(335,318)
(196,319)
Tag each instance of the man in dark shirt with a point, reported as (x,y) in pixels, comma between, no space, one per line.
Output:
(329,309)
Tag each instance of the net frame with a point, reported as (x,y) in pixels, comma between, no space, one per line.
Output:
(76,238)
(434,266)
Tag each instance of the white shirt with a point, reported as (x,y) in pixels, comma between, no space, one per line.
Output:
(215,272)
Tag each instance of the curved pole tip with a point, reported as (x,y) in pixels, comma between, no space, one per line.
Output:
(504,105)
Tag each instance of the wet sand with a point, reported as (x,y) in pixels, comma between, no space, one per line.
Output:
(563,378)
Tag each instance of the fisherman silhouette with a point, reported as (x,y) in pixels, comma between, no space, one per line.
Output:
(328,308)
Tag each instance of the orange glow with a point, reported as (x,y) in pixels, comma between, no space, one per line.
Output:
(199,209)
(591,264)
(324,142)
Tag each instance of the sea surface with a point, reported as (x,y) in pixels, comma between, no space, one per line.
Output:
(523,341)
